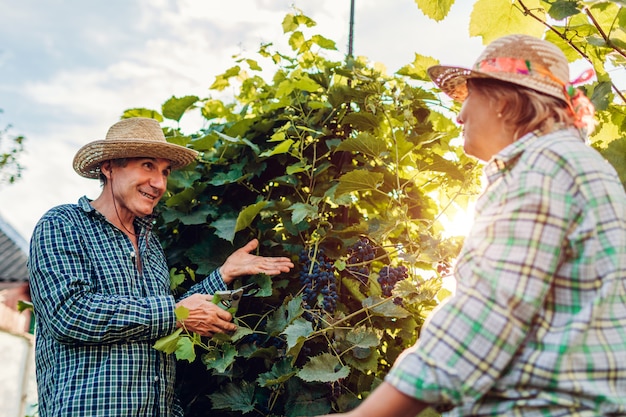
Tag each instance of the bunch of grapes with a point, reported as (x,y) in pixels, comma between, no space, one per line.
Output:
(359,254)
(389,276)
(443,268)
(318,278)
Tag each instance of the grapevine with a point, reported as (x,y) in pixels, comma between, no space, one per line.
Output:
(318,164)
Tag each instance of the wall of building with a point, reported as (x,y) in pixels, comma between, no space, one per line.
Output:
(18,392)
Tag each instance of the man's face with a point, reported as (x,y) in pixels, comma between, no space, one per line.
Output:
(138,186)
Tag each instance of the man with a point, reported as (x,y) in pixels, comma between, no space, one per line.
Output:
(100,284)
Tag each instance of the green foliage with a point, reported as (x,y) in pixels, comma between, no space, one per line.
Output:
(491,19)
(10,148)
(24,306)
(436,10)
(322,154)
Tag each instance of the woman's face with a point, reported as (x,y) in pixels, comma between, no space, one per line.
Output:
(484,129)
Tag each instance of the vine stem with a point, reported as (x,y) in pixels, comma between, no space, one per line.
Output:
(601,31)
(348,317)
(527,12)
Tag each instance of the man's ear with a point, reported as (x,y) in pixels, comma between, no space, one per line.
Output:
(106,168)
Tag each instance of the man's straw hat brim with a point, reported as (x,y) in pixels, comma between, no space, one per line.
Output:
(130,138)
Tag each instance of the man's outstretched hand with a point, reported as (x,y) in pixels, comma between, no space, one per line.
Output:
(242,262)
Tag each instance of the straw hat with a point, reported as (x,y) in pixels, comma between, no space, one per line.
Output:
(130,138)
(519,59)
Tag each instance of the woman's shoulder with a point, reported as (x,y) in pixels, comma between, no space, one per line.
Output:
(565,147)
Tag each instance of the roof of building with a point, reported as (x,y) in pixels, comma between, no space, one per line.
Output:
(13,255)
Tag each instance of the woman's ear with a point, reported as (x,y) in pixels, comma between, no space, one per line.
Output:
(500,107)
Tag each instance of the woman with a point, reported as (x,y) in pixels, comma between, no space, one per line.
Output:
(537,325)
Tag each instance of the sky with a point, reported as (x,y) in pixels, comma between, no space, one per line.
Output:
(69,68)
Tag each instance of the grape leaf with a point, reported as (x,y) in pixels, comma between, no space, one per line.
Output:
(264,284)
(306,399)
(364,364)
(291,22)
(281,371)
(176,279)
(142,112)
(324,42)
(185,350)
(23,305)
(417,69)
(213,109)
(561,9)
(435,9)
(297,331)
(222,80)
(240,333)
(254,65)
(247,215)
(365,143)
(361,121)
(363,337)
(306,84)
(294,308)
(225,228)
(301,211)
(282,147)
(359,180)
(183,178)
(168,344)
(387,309)
(492,19)
(181,313)
(296,40)
(323,368)
(175,108)
(198,216)
(220,359)
(277,321)
(236,397)
(615,153)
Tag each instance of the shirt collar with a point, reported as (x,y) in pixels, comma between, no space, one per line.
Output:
(144,223)
(507,157)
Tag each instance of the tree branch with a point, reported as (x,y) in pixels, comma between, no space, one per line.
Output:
(608,41)
(527,12)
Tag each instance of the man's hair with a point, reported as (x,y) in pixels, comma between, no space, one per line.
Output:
(527,110)
(121,162)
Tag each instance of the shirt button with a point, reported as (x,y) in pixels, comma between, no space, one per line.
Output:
(156,379)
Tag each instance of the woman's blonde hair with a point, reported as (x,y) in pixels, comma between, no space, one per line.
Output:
(527,110)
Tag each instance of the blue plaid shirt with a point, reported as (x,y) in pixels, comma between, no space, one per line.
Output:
(98,317)
(537,326)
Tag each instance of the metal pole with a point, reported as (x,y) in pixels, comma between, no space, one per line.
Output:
(351,33)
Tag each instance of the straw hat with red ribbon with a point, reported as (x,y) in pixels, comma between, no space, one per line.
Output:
(137,137)
(525,61)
